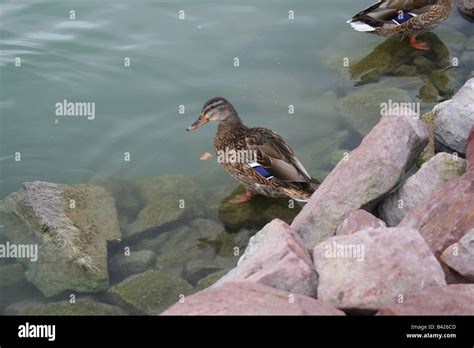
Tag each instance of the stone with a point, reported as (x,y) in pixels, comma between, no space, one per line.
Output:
(454,39)
(248,298)
(137,262)
(466,9)
(441,81)
(405,70)
(277,257)
(429,151)
(417,188)
(82,306)
(457,299)
(337,155)
(13,285)
(446,215)
(361,109)
(195,270)
(373,169)
(454,120)
(460,256)
(210,279)
(428,93)
(470,151)
(72,242)
(149,293)
(372,268)
(357,220)
(423,65)
(168,199)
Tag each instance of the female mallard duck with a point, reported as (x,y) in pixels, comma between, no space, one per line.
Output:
(257,157)
(403,17)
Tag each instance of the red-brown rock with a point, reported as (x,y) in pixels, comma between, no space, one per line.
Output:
(357,220)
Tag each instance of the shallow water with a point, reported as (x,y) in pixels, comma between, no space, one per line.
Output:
(177,62)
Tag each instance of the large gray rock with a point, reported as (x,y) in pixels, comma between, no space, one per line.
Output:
(457,299)
(372,170)
(454,120)
(149,293)
(439,169)
(248,298)
(358,220)
(71,239)
(460,256)
(374,268)
(277,257)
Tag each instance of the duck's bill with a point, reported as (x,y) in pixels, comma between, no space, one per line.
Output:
(201,121)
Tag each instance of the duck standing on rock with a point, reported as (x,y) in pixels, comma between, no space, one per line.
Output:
(403,17)
(273,169)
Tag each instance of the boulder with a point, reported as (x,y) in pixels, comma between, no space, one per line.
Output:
(372,170)
(138,261)
(150,292)
(460,256)
(466,9)
(373,268)
(210,279)
(248,298)
(429,151)
(82,306)
(456,299)
(418,187)
(357,220)
(276,256)
(167,199)
(71,226)
(470,151)
(446,215)
(454,120)
(13,285)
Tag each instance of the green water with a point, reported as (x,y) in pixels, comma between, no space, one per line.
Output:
(175,62)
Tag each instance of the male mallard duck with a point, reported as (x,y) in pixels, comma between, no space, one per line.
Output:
(403,17)
(258,157)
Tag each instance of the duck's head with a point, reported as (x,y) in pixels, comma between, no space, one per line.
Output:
(217,109)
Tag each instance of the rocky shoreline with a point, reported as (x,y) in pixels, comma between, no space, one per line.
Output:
(380,235)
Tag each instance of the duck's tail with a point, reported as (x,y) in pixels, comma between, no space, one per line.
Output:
(304,193)
(361,26)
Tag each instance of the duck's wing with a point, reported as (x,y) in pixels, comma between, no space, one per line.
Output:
(275,156)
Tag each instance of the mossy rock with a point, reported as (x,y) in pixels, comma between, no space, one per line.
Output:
(256,213)
(137,261)
(405,70)
(335,156)
(195,270)
(82,306)
(442,82)
(428,93)
(149,293)
(429,151)
(210,279)
(423,65)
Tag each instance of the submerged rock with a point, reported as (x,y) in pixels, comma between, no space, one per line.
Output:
(454,120)
(149,293)
(429,151)
(361,109)
(82,306)
(358,220)
(13,285)
(168,199)
(446,300)
(256,213)
(71,226)
(210,279)
(372,268)
(372,170)
(441,81)
(460,256)
(420,186)
(247,298)
(137,262)
(428,92)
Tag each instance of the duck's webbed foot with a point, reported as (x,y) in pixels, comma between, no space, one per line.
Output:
(242,198)
(205,156)
(419,45)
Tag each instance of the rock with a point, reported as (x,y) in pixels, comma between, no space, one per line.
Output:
(446,215)
(428,93)
(370,269)
(195,270)
(210,279)
(335,156)
(454,120)
(470,151)
(372,170)
(454,39)
(441,81)
(357,220)
(82,306)
(361,110)
(420,186)
(150,292)
(256,213)
(466,9)
(247,298)
(277,257)
(460,256)
(137,262)
(406,70)
(429,151)
(423,65)
(447,300)
(72,242)
(163,197)
(13,285)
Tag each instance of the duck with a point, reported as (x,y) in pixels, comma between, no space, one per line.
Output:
(403,17)
(257,157)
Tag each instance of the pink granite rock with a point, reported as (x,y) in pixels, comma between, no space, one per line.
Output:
(447,215)
(470,151)
(374,267)
(358,220)
(248,298)
(457,299)
(372,170)
(460,256)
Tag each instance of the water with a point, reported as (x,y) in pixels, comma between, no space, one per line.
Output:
(174,62)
